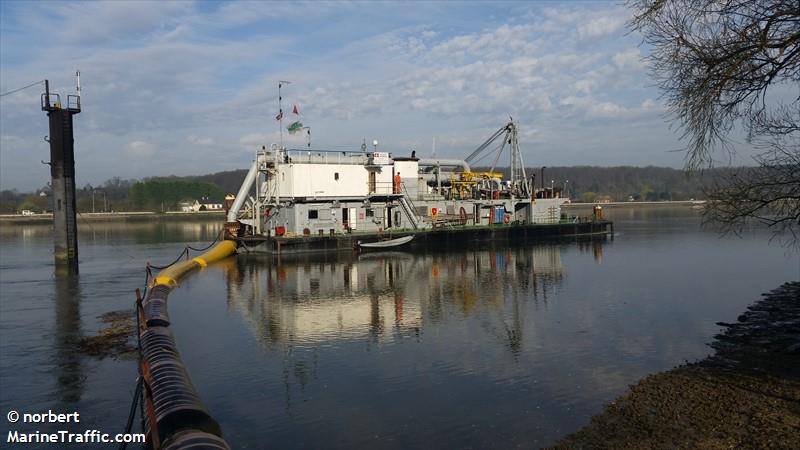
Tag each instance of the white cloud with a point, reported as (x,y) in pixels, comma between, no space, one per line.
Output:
(94,22)
(196,140)
(429,34)
(629,59)
(254,141)
(584,86)
(183,79)
(601,26)
(141,149)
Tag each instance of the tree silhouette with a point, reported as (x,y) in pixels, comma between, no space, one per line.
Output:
(727,63)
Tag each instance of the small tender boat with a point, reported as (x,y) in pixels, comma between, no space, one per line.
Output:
(386,243)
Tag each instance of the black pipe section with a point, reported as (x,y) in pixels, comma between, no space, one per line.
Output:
(196,440)
(155,307)
(183,422)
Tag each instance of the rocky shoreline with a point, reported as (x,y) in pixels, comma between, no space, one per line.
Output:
(746,395)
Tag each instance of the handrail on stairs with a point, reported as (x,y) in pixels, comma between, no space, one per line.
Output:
(409,207)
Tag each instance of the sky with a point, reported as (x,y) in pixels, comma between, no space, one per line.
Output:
(189,88)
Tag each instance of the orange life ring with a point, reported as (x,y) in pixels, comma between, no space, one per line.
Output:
(507,218)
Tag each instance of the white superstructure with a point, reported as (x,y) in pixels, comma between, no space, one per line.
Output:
(311,192)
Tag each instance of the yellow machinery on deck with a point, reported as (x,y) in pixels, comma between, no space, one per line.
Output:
(463,183)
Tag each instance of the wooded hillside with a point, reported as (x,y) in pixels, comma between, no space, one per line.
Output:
(581,183)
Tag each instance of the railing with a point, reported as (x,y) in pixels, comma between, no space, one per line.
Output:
(324,157)
(408,198)
(409,207)
(381,188)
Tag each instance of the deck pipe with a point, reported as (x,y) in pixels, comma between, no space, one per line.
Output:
(183,422)
(430,162)
(233,213)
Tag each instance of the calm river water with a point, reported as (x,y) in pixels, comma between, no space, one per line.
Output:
(487,347)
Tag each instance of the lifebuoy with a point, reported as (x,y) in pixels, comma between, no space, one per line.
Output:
(507,218)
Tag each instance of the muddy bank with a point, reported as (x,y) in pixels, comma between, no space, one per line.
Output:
(747,395)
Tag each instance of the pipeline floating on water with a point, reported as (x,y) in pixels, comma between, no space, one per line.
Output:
(174,415)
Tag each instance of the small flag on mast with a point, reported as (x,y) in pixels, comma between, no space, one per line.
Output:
(279,116)
(295,110)
(295,127)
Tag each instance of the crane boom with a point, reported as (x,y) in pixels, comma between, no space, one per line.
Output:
(503,130)
(508,132)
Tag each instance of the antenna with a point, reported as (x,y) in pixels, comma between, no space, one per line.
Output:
(433,152)
(280,108)
(78,76)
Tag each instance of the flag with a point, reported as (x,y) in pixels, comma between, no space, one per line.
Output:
(295,110)
(295,127)
(279,116)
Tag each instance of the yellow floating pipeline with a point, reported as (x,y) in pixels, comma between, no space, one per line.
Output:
(177,418)
(169,277)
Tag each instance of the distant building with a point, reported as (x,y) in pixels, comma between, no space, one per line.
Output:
(207,204)
(603,199)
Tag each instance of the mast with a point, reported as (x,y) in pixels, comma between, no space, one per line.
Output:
(280,108)
(517,165)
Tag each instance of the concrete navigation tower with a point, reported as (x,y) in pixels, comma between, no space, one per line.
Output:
(62,172)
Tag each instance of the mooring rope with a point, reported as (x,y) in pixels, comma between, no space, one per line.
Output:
(209,245)
(184,252)
(140,380)
(135,401)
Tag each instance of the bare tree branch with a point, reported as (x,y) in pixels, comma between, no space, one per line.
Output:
(727,63)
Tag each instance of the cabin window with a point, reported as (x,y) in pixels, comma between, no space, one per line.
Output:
(313,214)
(370,213)
(336,176)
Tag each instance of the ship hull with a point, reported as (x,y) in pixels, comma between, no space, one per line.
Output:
(451,237)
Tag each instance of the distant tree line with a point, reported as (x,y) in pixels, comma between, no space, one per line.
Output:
(622,183)
(164,195)
(151,194)
(580,183)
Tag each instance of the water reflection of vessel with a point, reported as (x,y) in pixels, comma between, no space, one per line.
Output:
(328,200)
(310,301)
